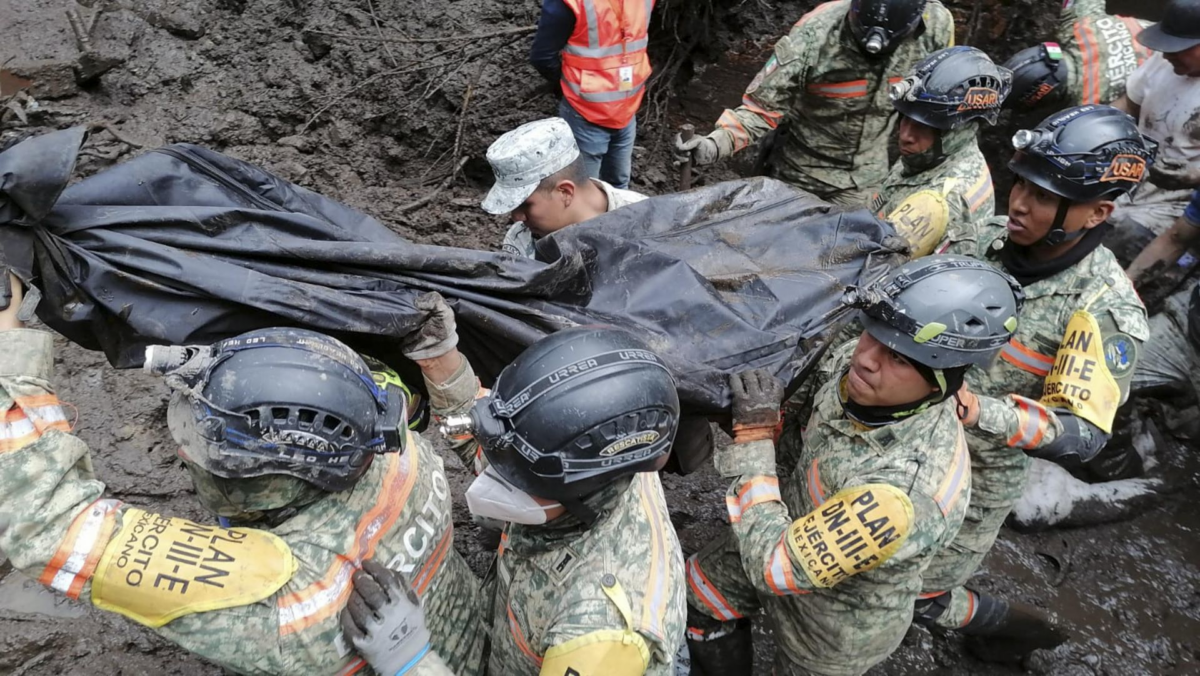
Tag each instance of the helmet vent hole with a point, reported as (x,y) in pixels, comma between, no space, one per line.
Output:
(331,423)
(347,432)
(280,415)
(306,417)
(255,418)
(974,323)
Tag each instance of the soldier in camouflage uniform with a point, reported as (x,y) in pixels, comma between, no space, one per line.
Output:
(941,187)
(826,89)
(833,550)
(1056,388)
(542,182)
(316,480)
(589,574)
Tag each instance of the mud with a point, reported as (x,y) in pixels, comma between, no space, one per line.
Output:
(380,125)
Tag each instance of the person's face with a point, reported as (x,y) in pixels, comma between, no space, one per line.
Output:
(1185,63)
(880,376)
(546,211)
(915,138)
(1032,209)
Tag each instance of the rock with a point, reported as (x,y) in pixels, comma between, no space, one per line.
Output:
(177,22)
(302,143)
(93,64)
(51,79)
(236,128)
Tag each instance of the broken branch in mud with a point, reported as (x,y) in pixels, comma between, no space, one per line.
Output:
(116,133)
(436,191)
(524,30)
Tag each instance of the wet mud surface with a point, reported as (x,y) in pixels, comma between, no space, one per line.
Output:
(380,125)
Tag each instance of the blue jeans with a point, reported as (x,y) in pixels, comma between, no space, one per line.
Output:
(607,153)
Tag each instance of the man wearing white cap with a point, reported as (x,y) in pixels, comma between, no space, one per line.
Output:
(541,179)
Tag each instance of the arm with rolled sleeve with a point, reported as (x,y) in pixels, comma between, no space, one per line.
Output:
(455,396)
(768,98)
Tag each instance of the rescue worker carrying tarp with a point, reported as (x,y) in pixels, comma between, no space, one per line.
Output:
(1095,54)
(288,434)
(1055,390)
(589,574)
(941,187)
(826,89)
(542,182)
(596,51)
(831,547)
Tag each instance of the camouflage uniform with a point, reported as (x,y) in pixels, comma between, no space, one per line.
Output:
(846,628)
(59,529)
(963,199)
(1011,419)
(833,101)
(1099,50)
(519,240)
(557,586)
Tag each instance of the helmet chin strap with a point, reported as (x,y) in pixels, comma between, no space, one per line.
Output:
(1057,235)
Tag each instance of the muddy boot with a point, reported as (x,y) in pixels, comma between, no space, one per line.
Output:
(1006,633)
(719,648)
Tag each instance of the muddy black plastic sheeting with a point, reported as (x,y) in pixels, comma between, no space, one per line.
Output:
(184,245)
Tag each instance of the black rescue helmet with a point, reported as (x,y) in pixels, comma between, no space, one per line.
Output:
(577,410)
(1178,31)
(1084,153)
(880,25)
(951,87)
(282,402)
(1039,75)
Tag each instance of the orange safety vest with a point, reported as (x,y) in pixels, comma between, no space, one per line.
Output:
(604,65)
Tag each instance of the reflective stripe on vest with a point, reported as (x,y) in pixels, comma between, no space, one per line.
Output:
(604,64)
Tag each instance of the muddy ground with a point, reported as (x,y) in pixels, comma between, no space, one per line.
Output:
(306,89)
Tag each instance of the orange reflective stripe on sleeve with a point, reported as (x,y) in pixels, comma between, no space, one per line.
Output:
(28,419)
(819,9)
(1027,359)
(654,605)
(839,90)
(778,571)
(772,119)
(1089,62)
(1032,422)
(815,491)
(327,596)
(514,628)
(754,492)
(978,194)
(1140,51)
(729,122)
(971,603)
(708,594)
(75,561)
(957,476)
(421,582)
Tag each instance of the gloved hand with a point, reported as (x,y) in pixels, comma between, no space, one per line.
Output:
(701,150)
(1171,174)
(757,396)
(437,335)
(384,620)
(968,406)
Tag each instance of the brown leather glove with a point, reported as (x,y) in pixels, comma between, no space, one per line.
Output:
(757,396)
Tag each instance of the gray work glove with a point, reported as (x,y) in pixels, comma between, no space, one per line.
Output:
(757,396)
(437,335)
(1174,175)
(384,620)
(701,150)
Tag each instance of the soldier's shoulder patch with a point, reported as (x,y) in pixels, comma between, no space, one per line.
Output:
(1120,353)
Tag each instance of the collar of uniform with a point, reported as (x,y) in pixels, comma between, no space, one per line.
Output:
(1073,280)
(882,439)
(567,528)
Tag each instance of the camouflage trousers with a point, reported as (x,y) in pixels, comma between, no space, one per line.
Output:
(718,588)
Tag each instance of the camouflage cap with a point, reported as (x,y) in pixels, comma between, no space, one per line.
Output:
(523,157)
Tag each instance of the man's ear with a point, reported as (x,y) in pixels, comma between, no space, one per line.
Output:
(1100,211)
(566,188)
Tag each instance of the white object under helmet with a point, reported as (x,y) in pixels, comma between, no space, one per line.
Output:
(523,157)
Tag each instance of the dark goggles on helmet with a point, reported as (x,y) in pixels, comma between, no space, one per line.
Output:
(491,422)
(878,302)
(1123,162)
(255,432)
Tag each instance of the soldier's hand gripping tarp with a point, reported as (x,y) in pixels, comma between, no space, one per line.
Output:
(184,245)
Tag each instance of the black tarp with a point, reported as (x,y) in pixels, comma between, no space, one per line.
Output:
(186,245)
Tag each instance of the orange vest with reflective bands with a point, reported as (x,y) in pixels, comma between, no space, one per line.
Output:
(604,65)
